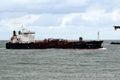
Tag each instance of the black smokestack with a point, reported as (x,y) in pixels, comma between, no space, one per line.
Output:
(19,32)
(14,33)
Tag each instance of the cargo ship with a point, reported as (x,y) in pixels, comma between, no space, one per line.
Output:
(116,43)
(25,40)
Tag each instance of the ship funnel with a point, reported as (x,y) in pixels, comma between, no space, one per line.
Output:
(14,33)
(80,39)
(19,32)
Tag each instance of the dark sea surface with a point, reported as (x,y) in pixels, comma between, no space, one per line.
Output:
(60,64)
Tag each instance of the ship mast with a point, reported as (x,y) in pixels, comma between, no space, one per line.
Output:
(98,36)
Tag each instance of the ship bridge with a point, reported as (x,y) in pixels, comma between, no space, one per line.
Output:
(24,36)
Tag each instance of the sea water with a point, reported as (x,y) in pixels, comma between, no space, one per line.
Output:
(60,64)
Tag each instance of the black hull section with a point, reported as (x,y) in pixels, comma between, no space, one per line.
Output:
(69,45)
(116,43)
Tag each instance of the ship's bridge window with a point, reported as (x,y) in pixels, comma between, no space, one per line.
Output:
(25,35)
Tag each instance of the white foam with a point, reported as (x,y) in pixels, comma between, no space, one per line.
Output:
(102,48)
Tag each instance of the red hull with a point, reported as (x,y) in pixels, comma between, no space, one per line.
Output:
(56,44)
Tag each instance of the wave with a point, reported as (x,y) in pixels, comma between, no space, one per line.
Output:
(2,48)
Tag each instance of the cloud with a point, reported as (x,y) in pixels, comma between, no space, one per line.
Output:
(90,19)
(116,15)
(41,6)
(60,18)
(48,20)
(55,6)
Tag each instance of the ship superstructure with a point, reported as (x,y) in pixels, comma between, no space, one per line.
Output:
(116,27)
(24,36)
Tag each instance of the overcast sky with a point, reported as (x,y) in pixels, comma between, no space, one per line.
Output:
(68,19)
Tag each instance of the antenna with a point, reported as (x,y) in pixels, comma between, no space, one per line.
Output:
(98,35)
(23,28)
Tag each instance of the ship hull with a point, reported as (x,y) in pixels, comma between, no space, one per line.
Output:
(115,43)
(56,45)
